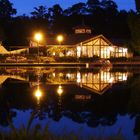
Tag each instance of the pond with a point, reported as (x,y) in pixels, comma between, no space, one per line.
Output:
(87,102)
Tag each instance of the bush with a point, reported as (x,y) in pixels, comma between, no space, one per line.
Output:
(66,59)
(119,59)
(92,59)
(75,59)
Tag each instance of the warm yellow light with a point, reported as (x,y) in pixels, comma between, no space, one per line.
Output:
(38,94)
(78,51)
(125,50)
(111,49)
(60,38)
(38,37)
(111,80)
(124,77)
(54,53)
(78,77)
(60,90)
(68,75)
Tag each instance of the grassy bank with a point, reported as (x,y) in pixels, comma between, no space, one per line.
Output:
(36,134)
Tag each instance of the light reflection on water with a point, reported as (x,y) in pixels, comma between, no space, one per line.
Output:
(96,81)
(92,100)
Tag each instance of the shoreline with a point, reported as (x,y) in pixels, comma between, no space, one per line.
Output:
(84,64)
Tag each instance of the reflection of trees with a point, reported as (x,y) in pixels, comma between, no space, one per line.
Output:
(137,126)
(11,98)
(6,114)
(92,120)
(103,110)
(99,110)
(134,103)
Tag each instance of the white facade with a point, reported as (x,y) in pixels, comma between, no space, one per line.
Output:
(101,47)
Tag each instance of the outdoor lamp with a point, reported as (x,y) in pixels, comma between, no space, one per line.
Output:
(60,90)
(38,37)
(38,93)
(60,38)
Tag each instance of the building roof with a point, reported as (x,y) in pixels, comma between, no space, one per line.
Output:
(3,50)
(70,39)
(76,39)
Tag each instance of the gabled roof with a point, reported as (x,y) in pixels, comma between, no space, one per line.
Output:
(3,50)
(76,39)
(70,39)
(98,36)
(100,92)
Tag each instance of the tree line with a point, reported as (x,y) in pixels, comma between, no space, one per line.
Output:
(103,16)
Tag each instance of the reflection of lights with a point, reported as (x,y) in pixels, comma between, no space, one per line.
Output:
(122,76)
(111,80)
(87,65)
(60,74)
(105,76)
(59,90)
(53,74)
(68,53)
(68,75)
(38,93)
(78,77)
(54,53)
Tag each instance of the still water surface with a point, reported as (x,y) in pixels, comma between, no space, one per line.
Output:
(87,102)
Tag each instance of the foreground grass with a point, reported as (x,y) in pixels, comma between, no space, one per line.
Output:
(37,134)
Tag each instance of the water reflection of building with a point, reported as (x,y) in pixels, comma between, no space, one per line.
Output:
(102,81)
(97,82)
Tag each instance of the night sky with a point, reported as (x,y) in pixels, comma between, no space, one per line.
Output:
(26,6)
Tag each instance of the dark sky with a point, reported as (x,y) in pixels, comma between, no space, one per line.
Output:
(26,6)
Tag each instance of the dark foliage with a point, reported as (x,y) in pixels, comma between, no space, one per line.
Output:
(102,16)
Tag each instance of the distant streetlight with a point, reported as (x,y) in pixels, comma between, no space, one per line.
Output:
(60,90)
(38,37)
(38,94)
(60,38)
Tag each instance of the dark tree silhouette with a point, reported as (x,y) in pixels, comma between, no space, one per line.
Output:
(39,12)
(101,15)
(134,25)
(55,12)
(137,5)
(76,9)
(6,9)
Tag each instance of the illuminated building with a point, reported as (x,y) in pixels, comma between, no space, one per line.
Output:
(85,44)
